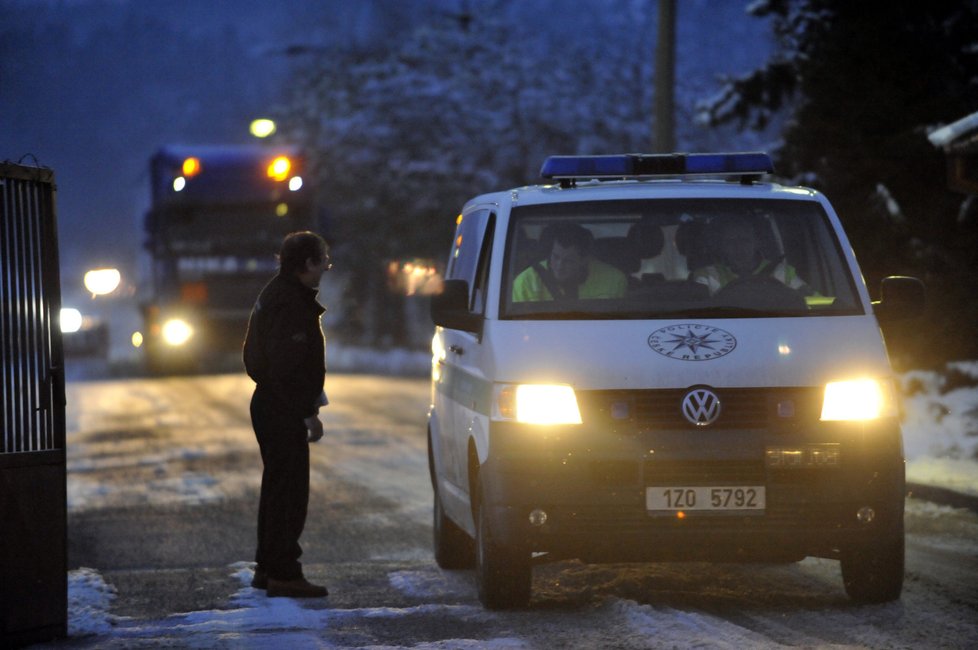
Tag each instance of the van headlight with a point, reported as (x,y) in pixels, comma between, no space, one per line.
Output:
(858,399)
(537,404)
(176,332)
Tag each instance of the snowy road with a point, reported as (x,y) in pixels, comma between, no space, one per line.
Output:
(162,489)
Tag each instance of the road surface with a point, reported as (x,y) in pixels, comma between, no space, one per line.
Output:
(163,481)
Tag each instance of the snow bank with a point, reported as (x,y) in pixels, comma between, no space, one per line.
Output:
(89,600)
(940,430)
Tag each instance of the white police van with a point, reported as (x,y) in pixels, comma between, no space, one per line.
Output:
(662,358)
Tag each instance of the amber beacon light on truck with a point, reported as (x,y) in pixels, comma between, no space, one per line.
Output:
(279,169)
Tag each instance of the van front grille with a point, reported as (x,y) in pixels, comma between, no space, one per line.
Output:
(741,408)
(684,473)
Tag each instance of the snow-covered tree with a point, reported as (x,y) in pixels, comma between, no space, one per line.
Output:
(406,129)
(862,84)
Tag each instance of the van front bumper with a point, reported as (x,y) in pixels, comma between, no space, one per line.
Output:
(591,486)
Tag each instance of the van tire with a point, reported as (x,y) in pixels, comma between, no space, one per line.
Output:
(874,573)
(454,549)
(502,574)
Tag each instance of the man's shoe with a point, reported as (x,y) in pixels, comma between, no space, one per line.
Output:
(260,581)
(297,588)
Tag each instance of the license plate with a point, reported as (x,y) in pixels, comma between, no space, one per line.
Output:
(697,498)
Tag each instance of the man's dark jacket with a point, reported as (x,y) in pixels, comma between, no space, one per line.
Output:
(284,350)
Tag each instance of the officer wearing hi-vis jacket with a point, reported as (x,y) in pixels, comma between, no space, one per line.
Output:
(569,271)
(740,257)
(284,353)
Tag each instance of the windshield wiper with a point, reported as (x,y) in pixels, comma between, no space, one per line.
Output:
(749,312)
(701,312)
(566,315)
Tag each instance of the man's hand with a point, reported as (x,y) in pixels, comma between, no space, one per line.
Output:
(315,427)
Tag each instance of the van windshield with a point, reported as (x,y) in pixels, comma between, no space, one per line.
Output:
(704,258)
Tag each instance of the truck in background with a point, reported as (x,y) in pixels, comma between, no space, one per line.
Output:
(217,216)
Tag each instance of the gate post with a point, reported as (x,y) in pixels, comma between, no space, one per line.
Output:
(33,487)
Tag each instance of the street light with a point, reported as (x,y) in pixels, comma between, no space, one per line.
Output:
(262,127)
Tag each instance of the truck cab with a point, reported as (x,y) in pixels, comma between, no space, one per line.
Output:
(218,213)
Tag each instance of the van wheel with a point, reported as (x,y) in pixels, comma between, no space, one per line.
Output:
(874,573)
(503,574)
(454,549)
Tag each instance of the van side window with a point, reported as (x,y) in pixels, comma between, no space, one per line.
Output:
(469,259)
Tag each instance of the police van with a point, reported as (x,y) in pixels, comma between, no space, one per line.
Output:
(663,358)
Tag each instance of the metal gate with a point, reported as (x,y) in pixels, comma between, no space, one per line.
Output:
(33,517)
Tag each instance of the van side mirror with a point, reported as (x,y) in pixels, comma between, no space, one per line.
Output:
(450,308)
(900,297)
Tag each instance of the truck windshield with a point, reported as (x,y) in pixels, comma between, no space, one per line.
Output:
(704,258)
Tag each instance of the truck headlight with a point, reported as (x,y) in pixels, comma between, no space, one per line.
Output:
(176,332)
(537,404)
(858,399)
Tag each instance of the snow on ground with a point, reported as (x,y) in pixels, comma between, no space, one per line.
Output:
(254,621)
(89,600)
(941,442)
(940,430)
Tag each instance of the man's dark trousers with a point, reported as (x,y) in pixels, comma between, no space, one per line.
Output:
(284,487)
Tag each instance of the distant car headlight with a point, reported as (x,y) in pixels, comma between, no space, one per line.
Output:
(537,404)
(177,332)
(71,320)
(858,399)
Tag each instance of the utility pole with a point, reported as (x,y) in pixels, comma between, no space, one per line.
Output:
(665,78)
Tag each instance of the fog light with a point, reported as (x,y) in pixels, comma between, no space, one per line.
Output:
(538,517)
(866,515)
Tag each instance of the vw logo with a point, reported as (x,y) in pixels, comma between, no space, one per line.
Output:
(701,406)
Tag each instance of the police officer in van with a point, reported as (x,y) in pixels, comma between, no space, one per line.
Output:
(284,353)
(569,271)
(740,257)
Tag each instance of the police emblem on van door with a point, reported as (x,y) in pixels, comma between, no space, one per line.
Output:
(701,406)
(692,342)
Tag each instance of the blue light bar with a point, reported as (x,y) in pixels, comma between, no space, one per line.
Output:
(645,165)
(586,166)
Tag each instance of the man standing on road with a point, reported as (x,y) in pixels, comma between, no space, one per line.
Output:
(284,353)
